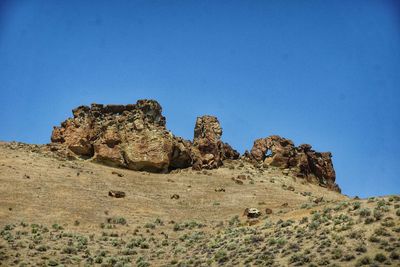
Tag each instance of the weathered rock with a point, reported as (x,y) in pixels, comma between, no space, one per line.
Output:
(175,196)
(135,137)
(208,150)
(252,213)
(318,200)
(132,136)
(117,173)
(116,194)
(219,189)
(268,211)
(304,162)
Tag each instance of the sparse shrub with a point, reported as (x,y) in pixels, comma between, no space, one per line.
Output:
(234,221)
(365,212)
(342,205)
(337,253)
(150,226)
(41,248)
(177,227)
(369,220)
(299,259)
(363,261)
(117,220)
(388,222)
(144,246)
(394,255)
(57,227)
(304,220)
(381,232)
(158,221)
(98,260)
(380,257)
(314,225)
(141,262)
(348,257)
(221,256)
(356,205)
(374,239)
(381,203)
(69,250)
(281,242)
(52,263)
(378,214)
(361,248)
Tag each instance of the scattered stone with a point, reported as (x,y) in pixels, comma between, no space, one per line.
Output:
(175,196)
(318,200)
(252,213)
(290,188)
(253,222)
(238,181)
(117,173)
(116,194)
(268,211)
(285,204)
(219,189)
(26,176)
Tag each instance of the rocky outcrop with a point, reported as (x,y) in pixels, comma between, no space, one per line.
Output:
(209,151)
(135,137)
(302,160)
(132,136)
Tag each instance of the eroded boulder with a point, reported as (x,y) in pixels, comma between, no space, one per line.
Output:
(131,136)
(304,162)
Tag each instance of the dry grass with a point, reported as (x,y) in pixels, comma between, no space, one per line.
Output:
(55,212)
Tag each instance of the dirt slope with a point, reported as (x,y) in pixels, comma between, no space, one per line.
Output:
(58,212)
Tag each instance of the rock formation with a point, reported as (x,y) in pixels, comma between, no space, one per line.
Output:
(302,160)
(209,151)
(135,137)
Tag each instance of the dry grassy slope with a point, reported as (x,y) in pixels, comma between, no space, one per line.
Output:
(65,191)
(57,212)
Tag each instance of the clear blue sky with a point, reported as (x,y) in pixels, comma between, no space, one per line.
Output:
(320,72)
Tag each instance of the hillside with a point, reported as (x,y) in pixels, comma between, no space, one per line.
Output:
(55,211)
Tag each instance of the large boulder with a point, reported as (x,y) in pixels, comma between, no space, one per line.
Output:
(131,136)
(302,160)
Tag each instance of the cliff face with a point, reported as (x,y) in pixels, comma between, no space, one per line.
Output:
(135,137)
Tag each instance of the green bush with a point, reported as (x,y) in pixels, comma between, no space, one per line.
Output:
(379,257)
(221,256)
